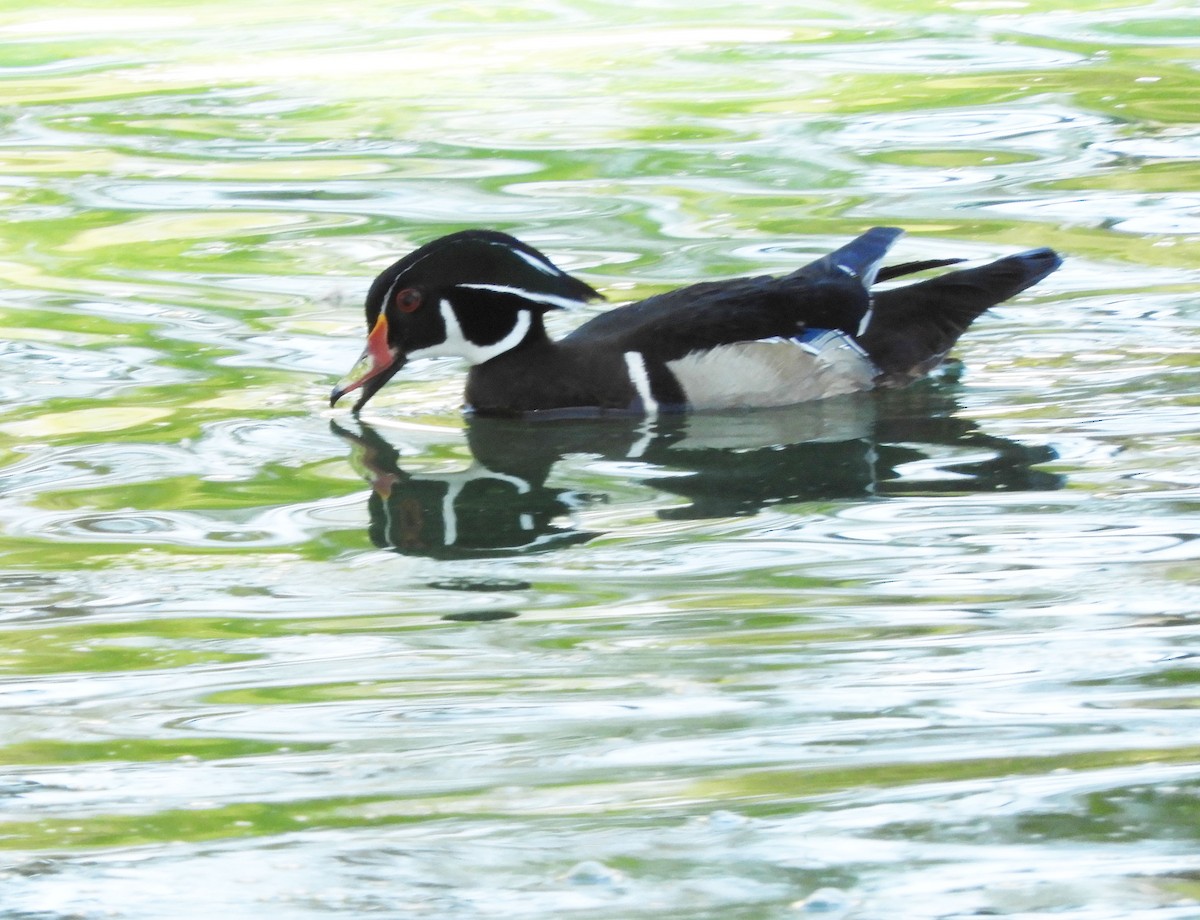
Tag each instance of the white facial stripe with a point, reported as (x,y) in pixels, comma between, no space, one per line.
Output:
(551,300)
(636,365)
(389,295)
(456,344)
(540,264)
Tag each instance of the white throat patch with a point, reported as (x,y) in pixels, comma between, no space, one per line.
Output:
(457,345)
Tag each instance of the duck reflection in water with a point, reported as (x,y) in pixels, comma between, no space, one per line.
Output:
(724,464)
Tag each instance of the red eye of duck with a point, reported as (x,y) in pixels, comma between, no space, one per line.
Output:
(408,300)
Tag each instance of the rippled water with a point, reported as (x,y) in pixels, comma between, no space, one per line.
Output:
(922,654)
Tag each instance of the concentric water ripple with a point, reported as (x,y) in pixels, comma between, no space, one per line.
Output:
(924,654)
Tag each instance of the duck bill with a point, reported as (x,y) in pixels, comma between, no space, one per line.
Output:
(377,365)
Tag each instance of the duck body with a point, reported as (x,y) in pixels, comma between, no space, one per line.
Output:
(764,341)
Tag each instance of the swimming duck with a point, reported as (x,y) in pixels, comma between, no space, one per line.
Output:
(763,341)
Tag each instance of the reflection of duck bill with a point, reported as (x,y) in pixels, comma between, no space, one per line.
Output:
(724,465)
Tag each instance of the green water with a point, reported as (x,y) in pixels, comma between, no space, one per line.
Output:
(923,654)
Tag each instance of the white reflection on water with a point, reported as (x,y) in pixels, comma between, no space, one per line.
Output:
(942,56)
(927,656)
(1129,213)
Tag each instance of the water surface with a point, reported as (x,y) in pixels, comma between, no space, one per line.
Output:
(922,654)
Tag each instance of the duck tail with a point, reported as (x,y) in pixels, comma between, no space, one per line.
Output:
(887,273)
(909,329)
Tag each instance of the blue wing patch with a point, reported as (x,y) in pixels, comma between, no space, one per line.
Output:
(815,341)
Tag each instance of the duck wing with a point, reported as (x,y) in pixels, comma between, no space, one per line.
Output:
(828,293)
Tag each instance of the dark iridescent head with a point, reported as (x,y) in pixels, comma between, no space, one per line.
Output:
(475,294)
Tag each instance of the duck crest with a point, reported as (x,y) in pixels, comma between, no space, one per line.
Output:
(741,343)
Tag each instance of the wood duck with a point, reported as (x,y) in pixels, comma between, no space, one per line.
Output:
(741,343)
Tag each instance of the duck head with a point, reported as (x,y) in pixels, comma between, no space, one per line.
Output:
(474,294)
